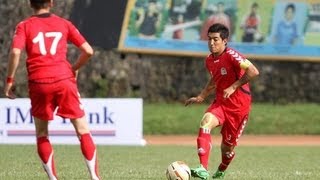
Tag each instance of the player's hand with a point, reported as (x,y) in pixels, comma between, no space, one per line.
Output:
(75,73)
(228,92)
(8,91)
(192,100)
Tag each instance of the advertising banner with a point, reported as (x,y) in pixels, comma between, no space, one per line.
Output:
(270,29)
(111,121)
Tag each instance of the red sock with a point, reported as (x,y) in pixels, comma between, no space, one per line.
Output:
(204,146)
(45,152)
(87,146)
(89,152)
(226,159)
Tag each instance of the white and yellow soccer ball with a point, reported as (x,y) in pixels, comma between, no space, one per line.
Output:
(178,170)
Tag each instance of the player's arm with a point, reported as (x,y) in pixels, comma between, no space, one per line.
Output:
(141,16)
(86,53)
(14,57)
(250,73)
(159,18)
(206,91)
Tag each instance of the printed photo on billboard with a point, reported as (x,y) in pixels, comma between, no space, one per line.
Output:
(270,29)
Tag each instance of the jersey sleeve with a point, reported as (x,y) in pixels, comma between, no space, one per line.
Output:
(238,59)
(75,36)
(19,38)
(206,65)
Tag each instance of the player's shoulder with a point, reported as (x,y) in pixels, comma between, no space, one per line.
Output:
(21,23)
(234,54)
(59,18)
(208,57)
(25,21)
(231,51)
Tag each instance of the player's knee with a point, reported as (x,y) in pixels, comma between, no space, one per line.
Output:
(80,125)
(226,147)
(82,130)
(208,121)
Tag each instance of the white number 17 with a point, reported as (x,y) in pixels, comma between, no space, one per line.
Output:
(40,39)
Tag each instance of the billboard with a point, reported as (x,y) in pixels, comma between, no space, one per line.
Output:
(112,121)
(269,29)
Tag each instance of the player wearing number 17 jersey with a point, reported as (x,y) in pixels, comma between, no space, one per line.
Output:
(52,79)
(230,73)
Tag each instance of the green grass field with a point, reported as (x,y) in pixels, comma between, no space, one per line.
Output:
(161,118)
(20,162)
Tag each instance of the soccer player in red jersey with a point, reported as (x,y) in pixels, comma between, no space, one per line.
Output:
(230,73)
(52,79)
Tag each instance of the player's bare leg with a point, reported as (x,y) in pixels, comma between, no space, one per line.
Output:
(45,150)
(88,147)
(204,145)
(227,155)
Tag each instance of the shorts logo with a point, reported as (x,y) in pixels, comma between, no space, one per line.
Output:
(229,137)
(223,71)
(228,140)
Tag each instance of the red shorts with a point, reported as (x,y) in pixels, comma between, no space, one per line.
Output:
(232,122)
(46,97)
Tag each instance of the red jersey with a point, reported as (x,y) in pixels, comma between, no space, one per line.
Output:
(225,70)
(45,39)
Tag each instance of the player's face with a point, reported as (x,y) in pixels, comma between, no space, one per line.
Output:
(152,7)
(289,14)
(215,43)
(254,10)
(220,8)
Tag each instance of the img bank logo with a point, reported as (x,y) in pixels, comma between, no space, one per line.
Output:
(17,115)
(18,121)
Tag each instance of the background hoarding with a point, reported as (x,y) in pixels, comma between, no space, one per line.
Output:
(271,29)
(111,121)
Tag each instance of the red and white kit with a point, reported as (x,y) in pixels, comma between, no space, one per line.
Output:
(45,39)
(231,112)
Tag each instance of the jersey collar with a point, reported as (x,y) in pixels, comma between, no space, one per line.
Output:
(44,15)
(219,54)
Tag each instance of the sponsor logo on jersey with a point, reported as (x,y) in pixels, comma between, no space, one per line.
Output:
(223,71)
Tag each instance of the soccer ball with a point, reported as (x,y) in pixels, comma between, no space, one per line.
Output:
(178,170)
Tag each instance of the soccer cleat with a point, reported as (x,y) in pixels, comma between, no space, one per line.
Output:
(200,172)
(218,174)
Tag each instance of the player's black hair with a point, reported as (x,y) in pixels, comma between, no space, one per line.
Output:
(255,5)
(220,3)
(290,6)
(152,1)
(219,28)
(39,4)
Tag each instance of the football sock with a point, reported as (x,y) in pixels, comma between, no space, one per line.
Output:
(204,146)
(89,152)
(226,159)
(45,153)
